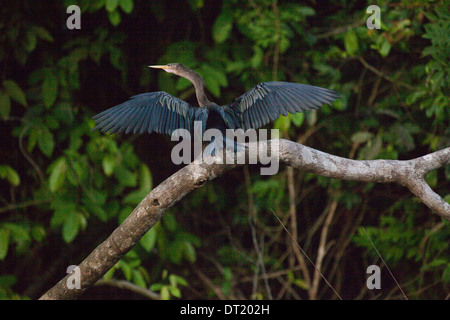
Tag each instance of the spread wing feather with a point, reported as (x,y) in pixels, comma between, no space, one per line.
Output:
(269,100)
(148,112)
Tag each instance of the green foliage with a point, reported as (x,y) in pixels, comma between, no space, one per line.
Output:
(399,241)
(7,283)
(49,88)
(15,92)
(351,43)
(223,25)
(4,242)
(8,173)
(170,289)
(438,68)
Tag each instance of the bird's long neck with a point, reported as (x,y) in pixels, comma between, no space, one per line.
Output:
(199,85)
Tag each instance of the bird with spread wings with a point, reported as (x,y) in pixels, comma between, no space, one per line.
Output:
(164,113)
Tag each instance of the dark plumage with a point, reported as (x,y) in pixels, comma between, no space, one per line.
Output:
(163,113)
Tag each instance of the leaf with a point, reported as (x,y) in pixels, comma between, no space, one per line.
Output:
(374,149)
(437,262)
(196,4)
(4,242)
(115,58)
(175,292)
(38,233)
(7,280)
(189,252)
(58,174)
(385,48)
(298,118)
(71,227)
(447,198)
(127,6)
(182,84)
(258,55)
(12,176)
(109,163)
(111,5)
(138,279)
(446,274)
(214,78)
(222,26)
(148,240)
(403,136)
(42,33)
(124,213)
(135,197)
(30,41)
(126,269)
(145,185)
(114,18)
(51,122)
(18,232)
(283,123)
(125,177)
(361,136)
(49,88)
(351,42)
(64,113)
(63,207)
(46,142)
(32,138)
(170,222)
(165,295)
(311,118)
(145,178)
(97,211)
(6,172)
(301,283)
(5,105)
(432,178)
(15,92)
(176,251)
(177,280)
(156,286)
(173,280)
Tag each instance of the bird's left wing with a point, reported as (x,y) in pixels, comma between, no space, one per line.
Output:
(148,112)
(268,100)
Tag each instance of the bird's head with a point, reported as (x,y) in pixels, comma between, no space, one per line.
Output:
(175,68)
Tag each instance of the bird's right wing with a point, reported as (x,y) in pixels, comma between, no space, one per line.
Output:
(268,100)
(148,112)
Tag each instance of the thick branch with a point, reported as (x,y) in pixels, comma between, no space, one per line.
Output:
(409,173)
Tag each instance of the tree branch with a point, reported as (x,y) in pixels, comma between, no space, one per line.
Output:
(410,173)
(126,285)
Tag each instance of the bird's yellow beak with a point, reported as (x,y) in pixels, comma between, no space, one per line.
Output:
(160,66)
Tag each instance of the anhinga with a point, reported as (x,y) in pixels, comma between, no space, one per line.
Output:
(164,113)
